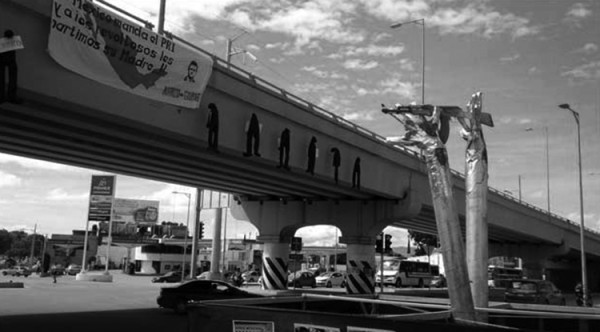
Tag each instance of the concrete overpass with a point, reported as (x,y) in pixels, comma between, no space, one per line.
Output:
(70,119)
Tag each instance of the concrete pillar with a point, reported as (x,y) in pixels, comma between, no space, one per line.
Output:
(360,265)
(215,259)
(274,262)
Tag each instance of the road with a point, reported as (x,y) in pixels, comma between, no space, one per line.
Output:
(126,304)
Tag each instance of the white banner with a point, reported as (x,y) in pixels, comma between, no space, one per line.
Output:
(11,44)
(135,211)
(103,46)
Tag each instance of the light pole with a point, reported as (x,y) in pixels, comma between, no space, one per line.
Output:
(519,188)
(547,168)
(420,22)
(581,224)
(188,195)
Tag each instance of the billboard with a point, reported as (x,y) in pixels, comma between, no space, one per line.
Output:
(136,211)
(101,197)
(103,46)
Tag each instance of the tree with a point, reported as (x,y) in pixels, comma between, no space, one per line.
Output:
(424,242)
(5,241)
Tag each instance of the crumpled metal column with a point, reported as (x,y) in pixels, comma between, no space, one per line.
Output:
(476,187)
(423,132)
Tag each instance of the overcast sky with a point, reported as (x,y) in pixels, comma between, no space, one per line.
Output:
(526,57)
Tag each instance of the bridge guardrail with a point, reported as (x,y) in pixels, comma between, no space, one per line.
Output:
(317,109)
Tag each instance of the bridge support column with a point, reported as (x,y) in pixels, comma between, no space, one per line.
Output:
(360,266)
(274,262)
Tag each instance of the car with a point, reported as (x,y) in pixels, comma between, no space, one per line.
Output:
(57,269)
(17,271)
(250,276)
(438,281)
(73,269)
(172,276)
(177,298)
(533,291)
(331,279)
(300,279)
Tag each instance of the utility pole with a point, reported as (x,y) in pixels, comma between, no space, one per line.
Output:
(32,246)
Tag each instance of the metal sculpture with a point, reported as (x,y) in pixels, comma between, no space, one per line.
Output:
(426,128)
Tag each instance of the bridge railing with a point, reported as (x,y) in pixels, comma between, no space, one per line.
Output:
(290,97)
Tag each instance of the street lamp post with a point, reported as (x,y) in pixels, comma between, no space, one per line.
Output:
(547,168)
(581,224)
(420,22)
(188,195)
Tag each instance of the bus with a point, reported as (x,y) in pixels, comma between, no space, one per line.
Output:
(401,273)
(496,274)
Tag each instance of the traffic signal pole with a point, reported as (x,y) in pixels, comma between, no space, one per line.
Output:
(194,262)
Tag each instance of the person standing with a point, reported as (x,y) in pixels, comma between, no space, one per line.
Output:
(252,135)
(284,149)
(356,174)
(8,60)
(213,127)
(337,160)
(312,156)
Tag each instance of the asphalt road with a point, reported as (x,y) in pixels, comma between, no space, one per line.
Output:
(126,304)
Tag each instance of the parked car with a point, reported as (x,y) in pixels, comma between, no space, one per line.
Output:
(173,276)
(73,269)
(534,291)
(17,271)
(57,269)
(302,278)
(251,276)
(331,279)
(178,297)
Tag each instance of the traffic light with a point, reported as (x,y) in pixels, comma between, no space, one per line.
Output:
(379,244)
(201,230)
(388,243)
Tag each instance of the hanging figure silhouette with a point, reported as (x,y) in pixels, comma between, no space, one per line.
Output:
(284,149)
(356,174)
(252,135)
(312,156)
(336,163)
(8,60)
(213,127)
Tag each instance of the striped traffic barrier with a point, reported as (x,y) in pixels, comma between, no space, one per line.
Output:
(360,278)
(274,273)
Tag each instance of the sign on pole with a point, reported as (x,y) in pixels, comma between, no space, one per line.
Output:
(101,197)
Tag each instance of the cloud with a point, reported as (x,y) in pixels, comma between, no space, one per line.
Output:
(482,20)
(577,13)
(583,73)
(320,235)
(511,58)
(533,70)
(396,11)
(395,85)
(372,50)
(359,64)
(36,164)
(9,180)
(588,48)
(59,194)
(359,116)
